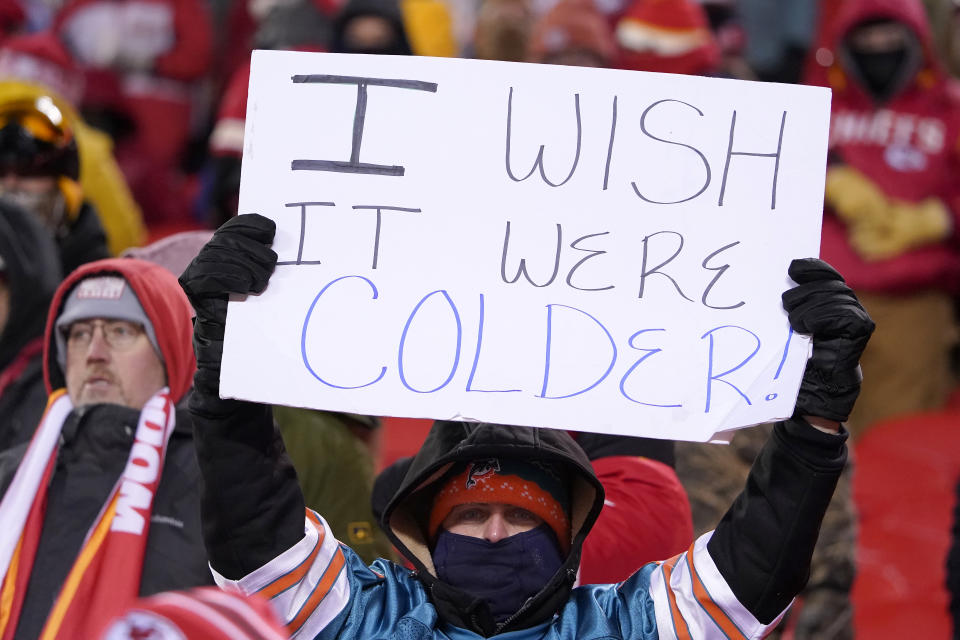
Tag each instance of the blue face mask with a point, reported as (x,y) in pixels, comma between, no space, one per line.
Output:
(503,573)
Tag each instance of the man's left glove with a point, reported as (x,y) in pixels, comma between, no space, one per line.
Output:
(237,259)
(824,307)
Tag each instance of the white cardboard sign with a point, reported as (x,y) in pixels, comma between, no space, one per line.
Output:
(587,249)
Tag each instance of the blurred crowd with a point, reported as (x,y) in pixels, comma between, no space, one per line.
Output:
(121,134)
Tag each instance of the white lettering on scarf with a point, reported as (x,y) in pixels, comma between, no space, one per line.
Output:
(142,471)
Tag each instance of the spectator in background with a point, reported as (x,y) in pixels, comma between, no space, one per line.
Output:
(40,171)
(642,495)
(103,505)
(725,23)
(893,198)
(106,200)
(371,26)
(142,59)
(669,36)
(245,18)
(502,30)
(778,36)
(362,26)
(297,25)
(575,33)
(29,274)
(40,58)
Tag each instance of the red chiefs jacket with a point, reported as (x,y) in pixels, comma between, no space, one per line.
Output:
(908,146)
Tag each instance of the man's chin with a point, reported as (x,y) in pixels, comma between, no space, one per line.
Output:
(99,396)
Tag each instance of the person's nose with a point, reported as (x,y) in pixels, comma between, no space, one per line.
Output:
(98,350)
(495,528)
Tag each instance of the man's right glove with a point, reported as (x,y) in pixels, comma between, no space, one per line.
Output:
(237,259)
(824,307)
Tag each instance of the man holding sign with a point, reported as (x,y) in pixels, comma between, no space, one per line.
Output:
(495,516)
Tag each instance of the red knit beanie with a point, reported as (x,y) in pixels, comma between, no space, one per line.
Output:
(535,486)
(669,36)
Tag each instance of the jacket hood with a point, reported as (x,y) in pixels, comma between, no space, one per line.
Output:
(162,300)
(449,443)
(32,266)
(908,12)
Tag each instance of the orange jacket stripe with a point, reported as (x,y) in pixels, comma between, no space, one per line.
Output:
(711,608)
(323,587)
(296,574)
(679,624)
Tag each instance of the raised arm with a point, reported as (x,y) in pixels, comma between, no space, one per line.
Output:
(764,543)
(252,507)
(736,581)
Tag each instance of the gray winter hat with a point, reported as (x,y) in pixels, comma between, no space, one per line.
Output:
(101,297)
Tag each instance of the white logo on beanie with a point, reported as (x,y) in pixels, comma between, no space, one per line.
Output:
(101,288)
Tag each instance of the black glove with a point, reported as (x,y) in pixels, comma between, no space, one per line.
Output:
(824,307)
(237,259)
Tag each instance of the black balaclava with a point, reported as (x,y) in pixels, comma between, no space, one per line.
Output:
(883,73)
(504,573)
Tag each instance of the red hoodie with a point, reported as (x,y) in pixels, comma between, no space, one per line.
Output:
(907,146)
(162,300)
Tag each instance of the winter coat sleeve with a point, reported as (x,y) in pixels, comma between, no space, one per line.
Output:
(763,545)
(260,538)
(683,598)
(738,581)
(251,503)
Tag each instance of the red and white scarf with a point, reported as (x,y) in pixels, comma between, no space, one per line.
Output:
(106,573)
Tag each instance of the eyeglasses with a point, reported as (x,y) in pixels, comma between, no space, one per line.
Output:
(119,334)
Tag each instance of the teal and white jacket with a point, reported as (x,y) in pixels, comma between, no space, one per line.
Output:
(733,583)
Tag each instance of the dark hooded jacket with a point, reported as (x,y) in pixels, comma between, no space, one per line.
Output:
(95,445)
(32,272)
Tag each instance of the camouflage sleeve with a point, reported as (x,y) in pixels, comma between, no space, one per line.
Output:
(335,469)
